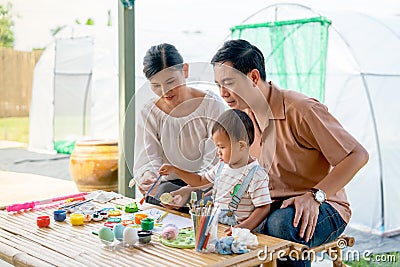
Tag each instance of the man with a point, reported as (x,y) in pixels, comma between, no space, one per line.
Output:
(310,157)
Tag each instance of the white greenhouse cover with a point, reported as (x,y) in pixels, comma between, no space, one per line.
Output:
(362,90)
(75,88)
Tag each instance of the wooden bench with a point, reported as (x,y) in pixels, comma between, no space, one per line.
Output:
(333,249)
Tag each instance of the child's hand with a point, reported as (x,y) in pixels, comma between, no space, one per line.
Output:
(166,169)
(180,197)
(209,193)
(228,231)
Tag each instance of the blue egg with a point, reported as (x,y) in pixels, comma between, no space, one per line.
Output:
(119,232)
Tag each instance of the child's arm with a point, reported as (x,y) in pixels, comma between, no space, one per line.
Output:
(256,217)
(192,179)
(182,195)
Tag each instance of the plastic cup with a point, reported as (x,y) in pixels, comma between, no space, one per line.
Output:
(60,215)
(147,224)
(144,236)
(205,227)
(43,221)
(139,217)
(76,219)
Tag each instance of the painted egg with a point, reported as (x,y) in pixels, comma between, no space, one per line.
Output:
(106,234)
(130,236)
(170,232)
(119,232)
(166,198)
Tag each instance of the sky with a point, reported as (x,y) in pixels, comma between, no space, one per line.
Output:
(35,18)
(196,27)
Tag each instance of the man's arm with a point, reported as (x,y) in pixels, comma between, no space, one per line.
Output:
(307,208)
(343,172)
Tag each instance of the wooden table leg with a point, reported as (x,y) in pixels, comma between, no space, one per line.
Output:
(269,264)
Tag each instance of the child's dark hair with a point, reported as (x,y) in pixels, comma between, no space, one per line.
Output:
(160,57)
(244,56)
(236,124)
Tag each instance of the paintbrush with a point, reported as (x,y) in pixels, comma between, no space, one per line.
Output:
(162,217)
(151,188)
(193,199)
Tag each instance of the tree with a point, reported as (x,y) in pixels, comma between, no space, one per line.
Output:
(6,24)
(57,30)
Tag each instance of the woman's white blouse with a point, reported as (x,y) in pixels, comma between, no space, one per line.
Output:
(184,142)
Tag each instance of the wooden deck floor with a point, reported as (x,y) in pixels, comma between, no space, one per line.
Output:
(22,187)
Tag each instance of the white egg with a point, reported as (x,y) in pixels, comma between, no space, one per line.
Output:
(130,236)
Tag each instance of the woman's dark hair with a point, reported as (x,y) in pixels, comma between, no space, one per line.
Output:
(160,57)
(236,124)
(244,56)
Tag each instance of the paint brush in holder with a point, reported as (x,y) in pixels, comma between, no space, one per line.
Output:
(204,224)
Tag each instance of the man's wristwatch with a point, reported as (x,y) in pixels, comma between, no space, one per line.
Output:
(319,195)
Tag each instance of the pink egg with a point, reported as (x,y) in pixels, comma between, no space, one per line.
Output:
(169,233)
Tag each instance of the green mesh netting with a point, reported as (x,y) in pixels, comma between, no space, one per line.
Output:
(294,50)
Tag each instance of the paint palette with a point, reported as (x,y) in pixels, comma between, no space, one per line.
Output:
(185,239)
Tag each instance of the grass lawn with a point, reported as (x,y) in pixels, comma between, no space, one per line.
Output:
(391,259)
(14,129)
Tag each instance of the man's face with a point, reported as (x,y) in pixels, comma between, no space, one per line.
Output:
(233,85)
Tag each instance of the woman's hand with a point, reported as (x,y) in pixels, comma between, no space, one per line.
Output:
(146,181)
(166,169)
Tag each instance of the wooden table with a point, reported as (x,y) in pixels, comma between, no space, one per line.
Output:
(22,243)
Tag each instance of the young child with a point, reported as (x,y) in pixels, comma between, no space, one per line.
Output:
(233,134)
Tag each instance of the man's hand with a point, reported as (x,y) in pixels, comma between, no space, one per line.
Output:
(180,197)
(306,209)
(166,169)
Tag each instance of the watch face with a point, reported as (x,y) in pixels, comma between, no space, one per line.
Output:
(320,196)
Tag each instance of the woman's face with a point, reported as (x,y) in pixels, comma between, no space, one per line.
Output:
(167,83)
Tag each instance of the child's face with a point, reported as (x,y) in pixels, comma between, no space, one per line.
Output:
(229,152)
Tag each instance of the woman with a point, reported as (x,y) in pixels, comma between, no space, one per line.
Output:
(175,127)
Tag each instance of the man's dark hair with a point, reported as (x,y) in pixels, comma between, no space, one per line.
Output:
(160,57)
(244,56)
(236,124)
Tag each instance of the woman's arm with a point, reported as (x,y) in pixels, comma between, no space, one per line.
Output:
(148,150)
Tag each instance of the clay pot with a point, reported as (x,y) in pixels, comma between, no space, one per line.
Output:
(94,165)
